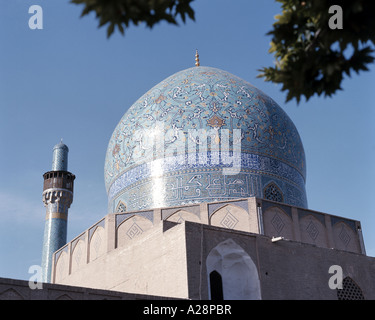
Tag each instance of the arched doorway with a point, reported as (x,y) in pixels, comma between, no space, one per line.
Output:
(231,273)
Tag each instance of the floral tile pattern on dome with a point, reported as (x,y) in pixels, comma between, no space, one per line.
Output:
(149,145)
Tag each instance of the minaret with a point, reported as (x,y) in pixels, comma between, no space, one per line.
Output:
(57,198)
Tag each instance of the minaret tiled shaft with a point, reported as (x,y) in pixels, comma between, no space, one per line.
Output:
(60,157)
(57,198)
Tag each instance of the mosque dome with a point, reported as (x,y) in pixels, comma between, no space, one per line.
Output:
(203,135)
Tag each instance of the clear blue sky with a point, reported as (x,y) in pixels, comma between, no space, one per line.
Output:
(69,81)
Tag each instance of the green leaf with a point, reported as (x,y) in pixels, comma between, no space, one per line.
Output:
(312,59)
(123,13)
(110,29)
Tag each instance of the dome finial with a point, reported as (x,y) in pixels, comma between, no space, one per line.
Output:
(197,63)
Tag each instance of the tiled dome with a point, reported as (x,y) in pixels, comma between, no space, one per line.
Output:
(148,162)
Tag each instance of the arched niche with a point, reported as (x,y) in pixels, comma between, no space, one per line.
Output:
(121,207)
(238,273)
(277,223)
(231,217)
(79,255)
(273,192)
(131,228)
(98,243)
(313,231)
(62,267)
(11,294)
(345,238)
(182,215)
(64,297)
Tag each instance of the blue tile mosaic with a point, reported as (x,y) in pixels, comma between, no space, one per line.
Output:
(266,205)
(349,222)
(165,213)
(60,157)
(319,216)
(215,206)
(55,231)
(101,223)
(124,216)
(172,146)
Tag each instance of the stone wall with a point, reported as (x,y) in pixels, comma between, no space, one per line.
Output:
(249,215)
(309,226)
(147,251)
(154,261)
(285,269)
(175,260)
(12,289)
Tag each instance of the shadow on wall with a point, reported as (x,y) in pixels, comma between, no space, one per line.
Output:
(232,274)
